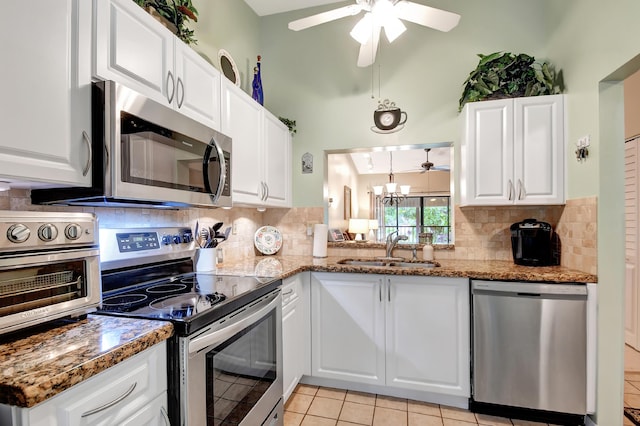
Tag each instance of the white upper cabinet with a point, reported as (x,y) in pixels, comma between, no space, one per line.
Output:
(134,49)
(261,159)
(46,93)
(277,157)
(513,152)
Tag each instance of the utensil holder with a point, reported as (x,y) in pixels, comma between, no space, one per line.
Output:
(205,259)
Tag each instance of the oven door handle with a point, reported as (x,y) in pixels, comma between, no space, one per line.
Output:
(236,323)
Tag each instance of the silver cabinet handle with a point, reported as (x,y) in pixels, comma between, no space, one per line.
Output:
(170,86)
(180,85)
(380,289)
(288,292)
(165,416)
(520,189)
(266,185)
(389,289)
(510,189)
(110,404)
(87,140)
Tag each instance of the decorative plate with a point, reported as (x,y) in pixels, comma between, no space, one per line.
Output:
(268,240)
(228,67)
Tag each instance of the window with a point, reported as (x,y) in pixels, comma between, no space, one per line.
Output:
(415,215)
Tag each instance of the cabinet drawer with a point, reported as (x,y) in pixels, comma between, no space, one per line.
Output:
(109,397)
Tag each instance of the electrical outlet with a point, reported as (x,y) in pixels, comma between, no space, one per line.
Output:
(309,229)
(584,141)
(234,228)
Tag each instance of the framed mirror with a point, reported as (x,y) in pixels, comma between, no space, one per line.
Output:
(228,67)
(347,202)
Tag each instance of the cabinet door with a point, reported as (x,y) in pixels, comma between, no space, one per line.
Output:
(539,160)
(427,337)
(296,331)
(47,93)
(242,121)
(134,49)
(277,149)
(486,177)
(347,331)
(197,86)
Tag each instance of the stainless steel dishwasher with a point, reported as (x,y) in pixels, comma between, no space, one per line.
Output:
(529,346)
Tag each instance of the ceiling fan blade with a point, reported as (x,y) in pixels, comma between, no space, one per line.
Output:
(321,18)
(420,14)
(368,50)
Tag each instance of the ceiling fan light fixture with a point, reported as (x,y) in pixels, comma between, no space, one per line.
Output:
(377,190)
(393,28)
(363,30)
(405,189)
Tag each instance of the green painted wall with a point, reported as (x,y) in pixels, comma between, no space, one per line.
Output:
(230,25)
(591,40)
(311,76)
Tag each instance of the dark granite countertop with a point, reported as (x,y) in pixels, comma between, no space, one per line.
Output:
(285,266)
(37,366)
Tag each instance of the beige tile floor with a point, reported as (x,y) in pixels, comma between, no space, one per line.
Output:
(631,380)
(319,406)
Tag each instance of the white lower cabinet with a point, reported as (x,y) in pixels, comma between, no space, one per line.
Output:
(133,392)
(296,353)
(404,332)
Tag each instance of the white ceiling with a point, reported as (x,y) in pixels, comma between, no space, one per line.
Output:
(270,7)
(404,161)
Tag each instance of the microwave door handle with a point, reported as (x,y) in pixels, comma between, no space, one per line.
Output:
(223,170)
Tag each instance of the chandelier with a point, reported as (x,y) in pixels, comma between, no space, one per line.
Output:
(388,193)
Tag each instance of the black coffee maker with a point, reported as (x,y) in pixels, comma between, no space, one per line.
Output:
(534,243)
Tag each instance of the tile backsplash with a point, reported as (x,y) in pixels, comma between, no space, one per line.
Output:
(481,233)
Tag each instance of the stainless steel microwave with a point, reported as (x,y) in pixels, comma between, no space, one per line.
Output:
(147,154)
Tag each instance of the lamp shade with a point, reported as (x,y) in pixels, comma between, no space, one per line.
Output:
(358,227)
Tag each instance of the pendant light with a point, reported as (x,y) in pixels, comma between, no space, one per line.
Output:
(389,194)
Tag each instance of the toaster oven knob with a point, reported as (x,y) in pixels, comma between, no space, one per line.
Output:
(166,240)
(177,239)
(18,233)
(48,232)
(187,237)
(73,231)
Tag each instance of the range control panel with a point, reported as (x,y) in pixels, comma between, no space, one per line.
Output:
(120,247)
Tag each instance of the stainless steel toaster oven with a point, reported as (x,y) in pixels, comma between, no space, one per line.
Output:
(49,267)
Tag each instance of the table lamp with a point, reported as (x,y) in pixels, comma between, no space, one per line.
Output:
(373,228)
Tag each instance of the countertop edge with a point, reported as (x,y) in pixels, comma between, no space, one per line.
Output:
(29,395)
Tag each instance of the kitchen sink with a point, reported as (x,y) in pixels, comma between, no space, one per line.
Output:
(395,263)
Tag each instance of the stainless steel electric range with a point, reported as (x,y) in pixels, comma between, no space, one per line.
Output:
(225,359)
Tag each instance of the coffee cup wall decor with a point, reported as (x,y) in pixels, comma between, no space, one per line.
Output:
(388,116)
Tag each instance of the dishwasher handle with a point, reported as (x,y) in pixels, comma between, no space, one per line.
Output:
(529,289)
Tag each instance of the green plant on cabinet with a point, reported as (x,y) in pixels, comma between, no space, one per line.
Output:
(177,12)
(505,75)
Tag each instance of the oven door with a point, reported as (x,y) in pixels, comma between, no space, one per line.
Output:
(40,287)
(234,368)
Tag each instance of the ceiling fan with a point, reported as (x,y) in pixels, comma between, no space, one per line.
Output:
(428,165)
(380,14)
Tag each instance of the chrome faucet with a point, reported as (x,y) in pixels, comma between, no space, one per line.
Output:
(392,241)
